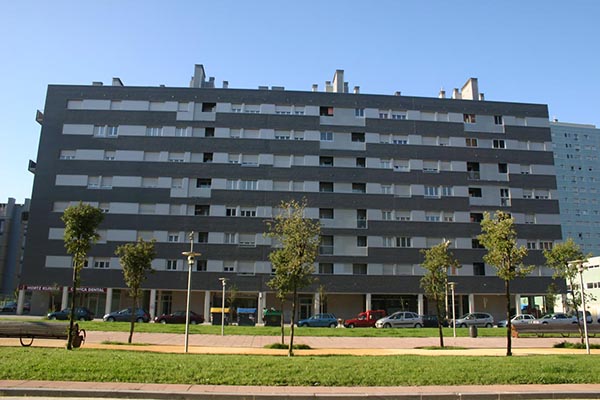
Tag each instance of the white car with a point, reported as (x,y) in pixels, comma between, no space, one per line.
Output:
(400,319)
(517,320)
(556,319)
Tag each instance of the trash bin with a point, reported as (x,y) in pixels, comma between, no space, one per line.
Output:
(472,331)
(246,316)
(272,317)
(215,315)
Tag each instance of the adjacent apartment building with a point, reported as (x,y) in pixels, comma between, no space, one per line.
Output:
(387,176)
(13,230)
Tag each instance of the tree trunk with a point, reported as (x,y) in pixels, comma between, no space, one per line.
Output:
(72,313)
(282,325)
(508,324)
(291,348)
(576,307)
(133,317)
(438,308)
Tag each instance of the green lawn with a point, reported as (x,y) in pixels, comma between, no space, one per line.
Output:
(146,367)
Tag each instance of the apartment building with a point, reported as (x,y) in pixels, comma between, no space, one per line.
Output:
(387,176)
(576,148)
(13,230)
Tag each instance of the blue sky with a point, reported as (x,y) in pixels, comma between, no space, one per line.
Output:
(537,51)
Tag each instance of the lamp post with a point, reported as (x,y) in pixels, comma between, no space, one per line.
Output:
(224,283)
(190,259)
(452,284)
(581,268)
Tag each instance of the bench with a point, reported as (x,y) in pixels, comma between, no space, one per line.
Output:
(41,330)
(565,330)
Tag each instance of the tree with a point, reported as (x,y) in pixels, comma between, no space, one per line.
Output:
(559,260)
(299,238)
(500,240)
(435,281)
(81,222)
(231,299)
(136,261)
(280,284)
(322,291)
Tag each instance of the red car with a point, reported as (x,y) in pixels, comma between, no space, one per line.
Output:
(365,319)
(178,317)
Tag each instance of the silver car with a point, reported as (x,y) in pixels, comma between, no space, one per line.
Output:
(517,320)
(475,319)
(556,319)
(400,319)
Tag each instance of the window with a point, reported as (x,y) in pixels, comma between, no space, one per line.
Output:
(385,164)
(171,265)
(531,245)
(327,136)
(207,157)
(325,161)
(176,157)
(326,246)
(104,263)
(173,237)
(230,238)
(248,212)
(325,186)
(498,144)
(104,207)
(359,269)
(527,193)
(502,168)
(479,269)
(201,210)
(359,112)
(209,132)
(203,183)
(386,189)
(358,137)
(432,217)
(402,215)
(469,118)
(326,111)
(154,131)
(476,217)
(475,244)
(247,239)
(530,218)
(498,120)
(546,245)
(398,115)
(383,114)
(473,170)
(326,268)
(67,155)
(182,131)
(208,107)
(228,266)
(474,192)
(403,242)
(471,142)
(386,215)
(110,155)
(326,213)
(361,241)
(504,197)
(361,162)
(231,211)
(202,237)
(432,191)
(359,188)
(201,266)
(447,191)
(248,185)
(400,140)
(361,218)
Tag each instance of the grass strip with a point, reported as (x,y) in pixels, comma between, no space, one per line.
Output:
(93,365)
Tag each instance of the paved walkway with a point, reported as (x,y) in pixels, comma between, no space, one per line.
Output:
(216,344)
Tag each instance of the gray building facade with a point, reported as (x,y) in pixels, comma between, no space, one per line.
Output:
(13,231)
(387,176)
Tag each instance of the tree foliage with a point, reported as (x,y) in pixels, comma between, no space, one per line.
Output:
(435,281)
(136,261)
(81,222)
(293,261)
(500,240)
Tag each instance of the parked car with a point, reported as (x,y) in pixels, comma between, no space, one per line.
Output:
(11,306)
(556,319)
(401,319)
(320,320)
(178,317)
(365,319)
(431,321)
(81,314)
(475,319)
(124,315)
(588,317)
(517,320)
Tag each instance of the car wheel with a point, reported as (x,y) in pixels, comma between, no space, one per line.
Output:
(53,318)
(82,318)
(544,323)
(488,325)
(140,319)
(462,326)
(193,322)
(418,325)
(110,319)
(351,326)
(163,321)
(333,325)
(387,325)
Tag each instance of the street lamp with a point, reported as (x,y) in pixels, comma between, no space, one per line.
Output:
(452,284)
(581,268)
(190,259)
(223,282)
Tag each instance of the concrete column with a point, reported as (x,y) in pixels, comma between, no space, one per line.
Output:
(207,306)
(152,304)
(367,301)
(20,302)
(262,300)
(420,304)
(316,303)
(64,301)
(108,304)
(518,303)
(471,302)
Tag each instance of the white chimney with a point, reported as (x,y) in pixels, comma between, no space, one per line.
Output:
(356,89)
(338,81)
(442,94)
(470,90)
(456,94)
(315,87)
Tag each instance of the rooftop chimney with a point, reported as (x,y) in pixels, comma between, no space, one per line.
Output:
(455,94)
(470,90)
(197,80)
(328,87)
(117,82)
(356,89)
(225,84)
(442,94)
(481,97)
(398,93)
(338,81)
(315,87)
(345,87)
(96,83)
(211,82)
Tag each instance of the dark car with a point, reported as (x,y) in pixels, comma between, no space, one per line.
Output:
(320,320)
(124,315)
(11,306)
(431,321)
(81,314)
(178,317)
